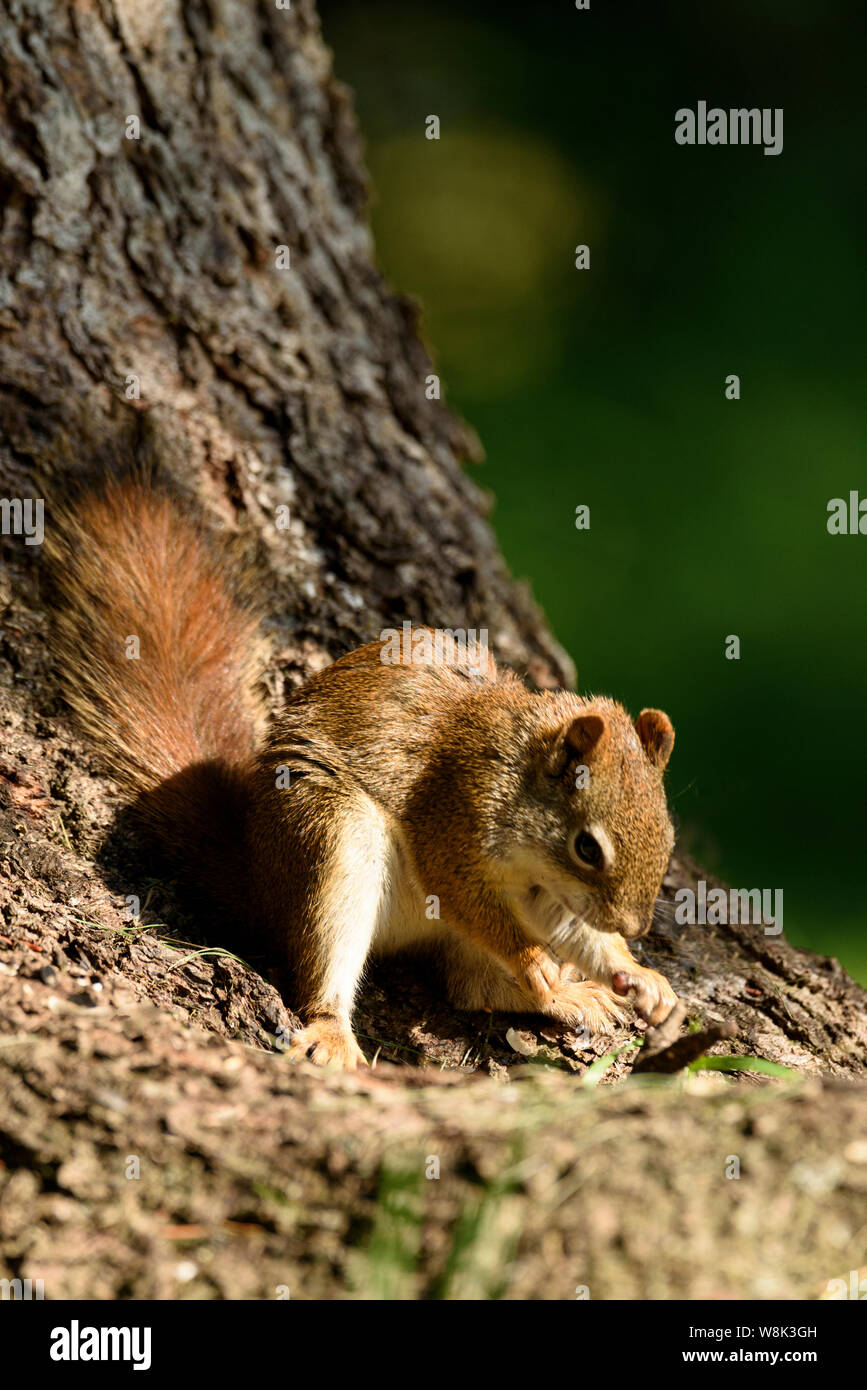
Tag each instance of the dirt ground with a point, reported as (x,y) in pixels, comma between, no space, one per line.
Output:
(156,1143)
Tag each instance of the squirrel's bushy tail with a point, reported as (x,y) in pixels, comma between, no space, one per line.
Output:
(159,657)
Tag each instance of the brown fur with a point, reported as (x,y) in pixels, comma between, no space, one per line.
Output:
(127,563)
(177,725)
(408,785)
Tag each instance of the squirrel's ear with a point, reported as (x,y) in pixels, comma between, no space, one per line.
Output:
(587,734)
(657,736)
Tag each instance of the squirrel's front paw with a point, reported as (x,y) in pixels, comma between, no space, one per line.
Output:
(558,992)
(585,1004)
(652,995)
(327,1042)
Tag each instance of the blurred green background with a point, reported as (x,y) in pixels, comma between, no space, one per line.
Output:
(606,386)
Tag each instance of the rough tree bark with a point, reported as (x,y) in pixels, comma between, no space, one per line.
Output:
(153,158)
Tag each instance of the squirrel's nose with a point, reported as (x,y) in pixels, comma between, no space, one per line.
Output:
(632,926)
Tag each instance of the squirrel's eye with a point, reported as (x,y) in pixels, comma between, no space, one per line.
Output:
(588,850)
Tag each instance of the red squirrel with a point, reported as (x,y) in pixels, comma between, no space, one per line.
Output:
(522,837)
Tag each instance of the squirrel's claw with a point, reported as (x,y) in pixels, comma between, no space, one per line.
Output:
(653,997)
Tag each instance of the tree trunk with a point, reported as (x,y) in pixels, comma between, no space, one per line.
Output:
(187,275)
